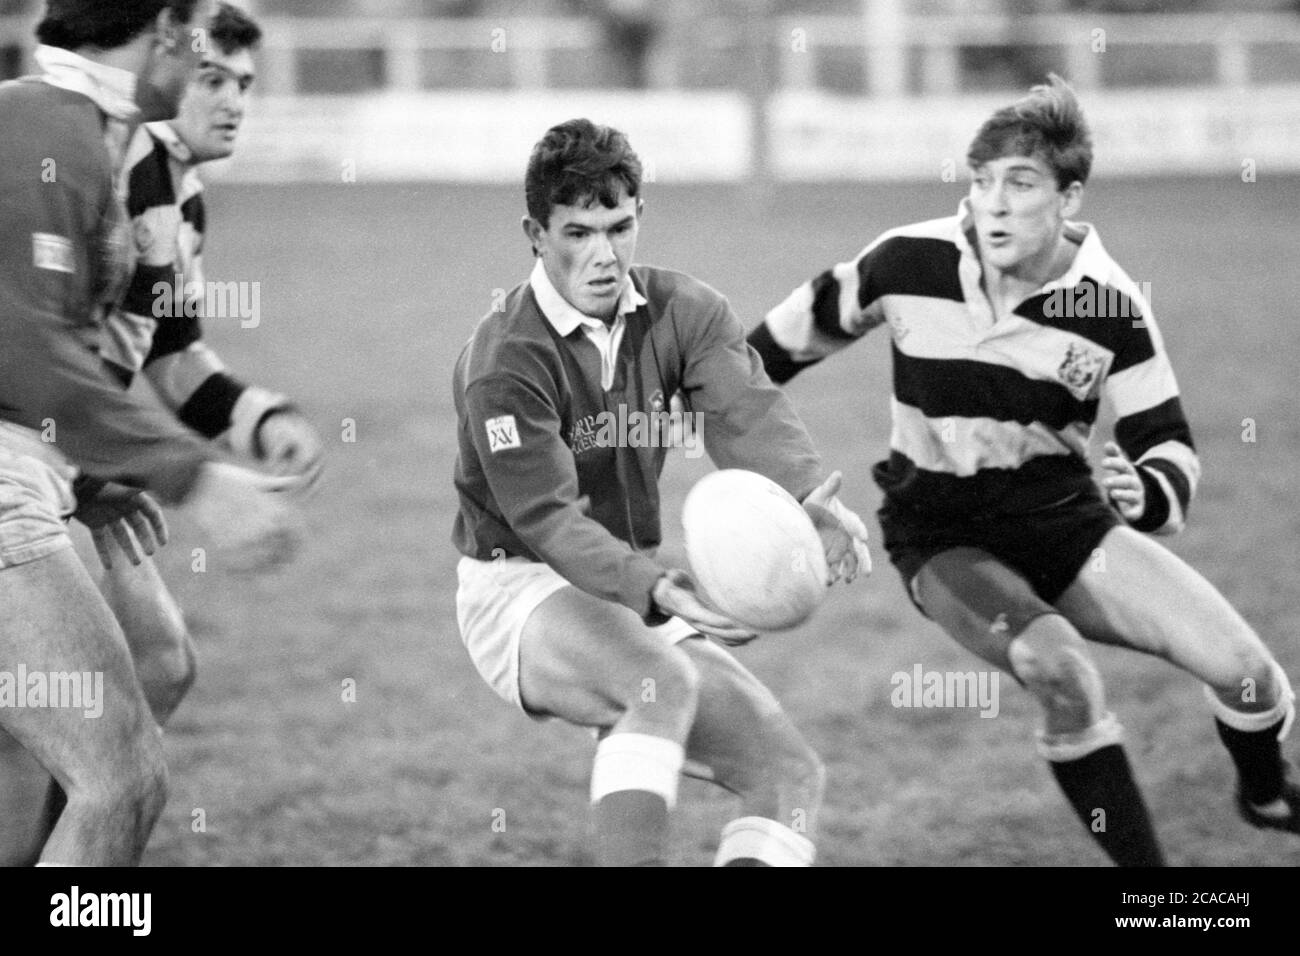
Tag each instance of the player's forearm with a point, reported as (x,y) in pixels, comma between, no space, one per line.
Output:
(53,384)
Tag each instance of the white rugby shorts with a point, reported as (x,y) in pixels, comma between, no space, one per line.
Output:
(36,498)
(494,600)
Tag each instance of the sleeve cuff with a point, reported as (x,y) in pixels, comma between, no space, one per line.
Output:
(254,405)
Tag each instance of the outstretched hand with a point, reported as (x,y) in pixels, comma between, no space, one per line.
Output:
(674,593)
(113,513)
(844,536)
(1123,484)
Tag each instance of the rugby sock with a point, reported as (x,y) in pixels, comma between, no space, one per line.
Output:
(1258,757)
(1254,741)
(634,785)
(1093,771)
(757,841)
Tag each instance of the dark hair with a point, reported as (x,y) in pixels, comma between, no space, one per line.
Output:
(579,163)
(1047,124)
(233,29)
(72,24)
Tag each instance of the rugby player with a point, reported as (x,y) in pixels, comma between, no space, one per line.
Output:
(164,338)
(990,511)
(561,603)
(71,439)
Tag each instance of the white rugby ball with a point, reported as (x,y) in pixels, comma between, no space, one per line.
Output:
(753,549)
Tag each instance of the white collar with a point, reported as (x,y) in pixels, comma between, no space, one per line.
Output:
(564,318)
(111,89)
(1090,258)
(163,131)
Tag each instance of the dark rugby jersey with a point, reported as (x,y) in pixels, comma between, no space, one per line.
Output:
(64,244)
(996,417)
(528,392)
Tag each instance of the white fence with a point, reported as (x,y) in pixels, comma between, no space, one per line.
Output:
(913,122)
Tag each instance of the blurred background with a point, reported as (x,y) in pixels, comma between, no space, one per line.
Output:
(751,89)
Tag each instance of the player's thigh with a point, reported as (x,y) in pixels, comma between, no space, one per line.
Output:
(978,600)
(55,622)
(140,600)
(1145,597)
(741,733)
(584,660)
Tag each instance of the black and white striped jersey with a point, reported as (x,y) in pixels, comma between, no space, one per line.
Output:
(996,416)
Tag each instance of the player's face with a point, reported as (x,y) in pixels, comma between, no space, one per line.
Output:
(1020,213)
(587,251)
(178,49)
(213,107)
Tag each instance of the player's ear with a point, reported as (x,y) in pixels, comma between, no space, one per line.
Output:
(640,208)
(1071,200)
(533,230)
(168,29)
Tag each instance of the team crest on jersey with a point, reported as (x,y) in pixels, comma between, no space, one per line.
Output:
(502,433)
(1080,369)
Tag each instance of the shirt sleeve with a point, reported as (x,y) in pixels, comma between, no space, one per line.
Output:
(50,373)
(833,309)
(515,428)
(1150,425)
(744,420)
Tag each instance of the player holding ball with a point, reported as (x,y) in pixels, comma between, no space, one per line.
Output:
(561,603)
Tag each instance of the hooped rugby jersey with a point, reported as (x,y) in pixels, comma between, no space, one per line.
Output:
(995,417)
(158,326)
(538,431)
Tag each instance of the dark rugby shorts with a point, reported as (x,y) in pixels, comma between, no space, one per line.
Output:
(1048,546)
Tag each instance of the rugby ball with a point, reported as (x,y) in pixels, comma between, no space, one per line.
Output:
(753,550)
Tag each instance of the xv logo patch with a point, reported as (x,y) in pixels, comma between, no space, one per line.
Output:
(52,252)
(502,433)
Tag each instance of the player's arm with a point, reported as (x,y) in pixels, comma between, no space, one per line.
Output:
(820,317)
(1151,470)
(49,375)
(194,383)
(530,471)
(749,423)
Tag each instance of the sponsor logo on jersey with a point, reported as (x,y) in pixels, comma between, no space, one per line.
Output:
(502,433)
(53,253)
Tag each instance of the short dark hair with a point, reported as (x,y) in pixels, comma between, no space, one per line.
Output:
(579,163)
(1047,124)
(72,24)
(234,29)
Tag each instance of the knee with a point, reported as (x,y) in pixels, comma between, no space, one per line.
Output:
(788,774)
(1052,660)
(167,671)
(135,787)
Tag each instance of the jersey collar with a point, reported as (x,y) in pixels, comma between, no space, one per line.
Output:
(164,133)
(564,318)
(110,88)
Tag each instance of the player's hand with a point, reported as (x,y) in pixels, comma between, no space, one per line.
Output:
(1123,484)
(246,515)
(291,446)
(113,513)
(843,534)
(674,593)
